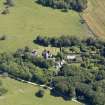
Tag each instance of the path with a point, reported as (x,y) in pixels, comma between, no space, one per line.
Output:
(35,84)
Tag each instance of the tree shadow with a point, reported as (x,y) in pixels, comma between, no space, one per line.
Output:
(58,94)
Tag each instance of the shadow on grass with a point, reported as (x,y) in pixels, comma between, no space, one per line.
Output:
(58,94)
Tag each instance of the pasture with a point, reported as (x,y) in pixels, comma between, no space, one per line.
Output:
(24,94)
(27,19)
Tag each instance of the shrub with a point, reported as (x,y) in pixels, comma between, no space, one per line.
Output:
(40,93)
(3,37)
(2,91)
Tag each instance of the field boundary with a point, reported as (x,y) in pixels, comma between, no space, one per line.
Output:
(93,33)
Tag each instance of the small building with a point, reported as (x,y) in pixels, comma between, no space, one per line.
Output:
(71,57)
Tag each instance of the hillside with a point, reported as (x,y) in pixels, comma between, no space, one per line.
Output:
(24,94)
(95,16)
(27,19)
(52,52)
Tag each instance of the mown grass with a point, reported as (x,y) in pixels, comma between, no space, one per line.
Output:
(28,19)
(95,17)
(24,94)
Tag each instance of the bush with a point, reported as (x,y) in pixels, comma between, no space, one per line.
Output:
(40,93)
(2,91)
(3,37)
(42,41)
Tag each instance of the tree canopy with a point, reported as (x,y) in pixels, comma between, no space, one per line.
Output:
(78,5)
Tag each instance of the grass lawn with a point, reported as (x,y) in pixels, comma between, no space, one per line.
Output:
(28,19)
(24,94)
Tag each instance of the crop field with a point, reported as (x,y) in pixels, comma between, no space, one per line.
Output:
(27,19)
(95,17)
(24,94)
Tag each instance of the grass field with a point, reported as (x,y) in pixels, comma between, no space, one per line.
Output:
(28,19)
(95,17)
(24,94)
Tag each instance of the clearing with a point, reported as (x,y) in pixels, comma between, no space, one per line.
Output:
(27,19)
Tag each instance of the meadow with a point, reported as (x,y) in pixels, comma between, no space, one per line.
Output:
(95,17)
(24,94)
(27,19)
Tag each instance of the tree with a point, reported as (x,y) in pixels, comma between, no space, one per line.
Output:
(78,5)
(99,99)
(69,70)
(2,89)
(72,93)
(85,93)
(90,41)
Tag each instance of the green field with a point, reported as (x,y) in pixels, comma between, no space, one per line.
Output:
(24,94)
(28,19)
